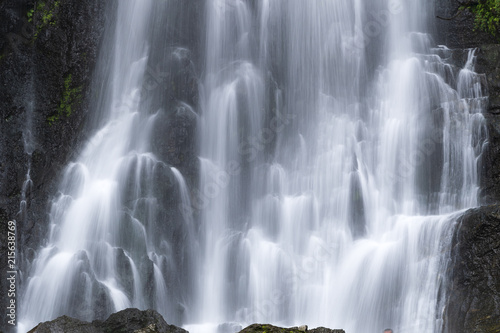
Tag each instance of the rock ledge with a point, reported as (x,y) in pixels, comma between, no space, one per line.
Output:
(126,321)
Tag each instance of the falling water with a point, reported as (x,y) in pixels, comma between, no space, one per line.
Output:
(338,145)
(114,221)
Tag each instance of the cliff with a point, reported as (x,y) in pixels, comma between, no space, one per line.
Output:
(47,57)
(473,280)
(474,286)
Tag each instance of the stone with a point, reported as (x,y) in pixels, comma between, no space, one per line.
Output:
(65,324)
(274,329)
(458,32)
(125,321)
(473,290)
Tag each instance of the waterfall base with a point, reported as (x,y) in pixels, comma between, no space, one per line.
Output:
(273,329)
(150,321)
(129,320)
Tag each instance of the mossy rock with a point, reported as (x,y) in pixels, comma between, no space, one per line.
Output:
(274,329)
(268,329)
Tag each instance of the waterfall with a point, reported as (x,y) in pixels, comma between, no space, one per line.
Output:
(114,221)
(346,146)
(337,147)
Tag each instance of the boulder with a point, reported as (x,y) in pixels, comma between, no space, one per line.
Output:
(274,329)
(474,273)
(126,321)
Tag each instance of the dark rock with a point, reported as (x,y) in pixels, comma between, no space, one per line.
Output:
(275,329)
(174,140)
(65,324)
(134,320)
(357,219)
(490,173)
(488,62)
(325,330)
(474,273)
(126,321)
(457,32)
(40,64)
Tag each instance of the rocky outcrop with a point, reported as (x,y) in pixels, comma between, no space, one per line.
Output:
(274,329)
(458,32)
(488,62)
(126,321)
(473,287)
(150,321)
(455,28)
(48,50)
(474,273)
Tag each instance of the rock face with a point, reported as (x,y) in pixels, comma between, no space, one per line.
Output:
(47,56)
(275,329)
(488,62)
(126,321)
(459,33)
(456,31)
(474,273)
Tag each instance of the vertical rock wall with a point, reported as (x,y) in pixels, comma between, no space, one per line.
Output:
(473,278)
(48,50)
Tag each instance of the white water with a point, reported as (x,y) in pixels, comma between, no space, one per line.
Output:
(109,246)
(331,218)
(337,148)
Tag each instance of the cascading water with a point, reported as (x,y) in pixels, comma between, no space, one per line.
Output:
(337,148)
(343,143)
(112,238)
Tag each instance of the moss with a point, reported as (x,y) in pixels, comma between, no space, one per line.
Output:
(71,96)
(486,15)
(258,328)
(43,14)
(30,14)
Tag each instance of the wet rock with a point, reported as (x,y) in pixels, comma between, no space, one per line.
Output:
(490,172)
(174,140)
(65,324)
(126,321)
(325,330)
(357,219)
(474,273)
(488,62)
(456,31)
(275,329)
(134,320)
(41,62)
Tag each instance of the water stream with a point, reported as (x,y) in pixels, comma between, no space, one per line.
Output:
(337,147)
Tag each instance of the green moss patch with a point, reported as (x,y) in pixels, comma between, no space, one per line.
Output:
(43,14)
(71,97)
(268,329)
(486,15)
